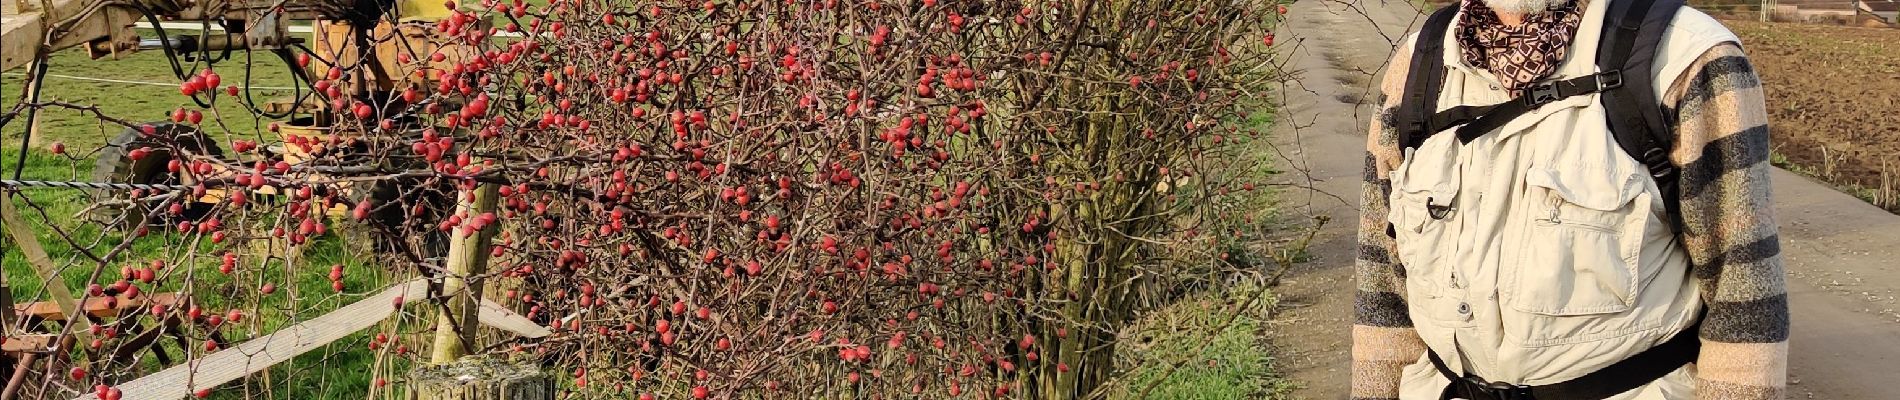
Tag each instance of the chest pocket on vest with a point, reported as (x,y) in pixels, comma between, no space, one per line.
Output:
(1585,235)
(1422,194)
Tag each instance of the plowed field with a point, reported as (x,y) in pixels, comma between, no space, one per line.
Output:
(1834,101)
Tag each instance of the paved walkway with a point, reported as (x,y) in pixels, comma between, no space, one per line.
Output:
(1843,255)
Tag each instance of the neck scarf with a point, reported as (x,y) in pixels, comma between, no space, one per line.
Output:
(1519,55)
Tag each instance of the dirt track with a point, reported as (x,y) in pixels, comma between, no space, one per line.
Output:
(1839,251)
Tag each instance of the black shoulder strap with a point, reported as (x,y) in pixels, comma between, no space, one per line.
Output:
(1632,35)
(1424,80)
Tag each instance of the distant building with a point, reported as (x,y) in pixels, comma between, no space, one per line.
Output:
(1839,10)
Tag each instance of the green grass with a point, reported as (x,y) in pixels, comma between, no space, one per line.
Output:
(336,372)
(304,288)
(1217,359)
(83,133)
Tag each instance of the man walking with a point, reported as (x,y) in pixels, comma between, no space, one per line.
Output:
(1569,199)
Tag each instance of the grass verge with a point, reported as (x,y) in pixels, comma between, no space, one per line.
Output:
(1212,342)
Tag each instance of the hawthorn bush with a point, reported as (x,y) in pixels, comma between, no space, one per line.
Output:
(792,198)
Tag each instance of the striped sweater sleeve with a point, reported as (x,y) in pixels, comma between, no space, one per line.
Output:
(1729,227)
(1383,340)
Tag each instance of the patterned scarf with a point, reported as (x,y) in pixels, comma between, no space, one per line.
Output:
(1519,55)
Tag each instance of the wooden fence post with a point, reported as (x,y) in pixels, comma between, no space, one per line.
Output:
(480,378)
(452,374)
(36,256)
(468,257)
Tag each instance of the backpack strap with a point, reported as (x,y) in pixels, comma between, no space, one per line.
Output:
(1423,82)
(1631,37)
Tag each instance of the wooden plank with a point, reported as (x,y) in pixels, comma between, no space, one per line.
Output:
(28,343)
(29,245)
(260,353)
(495,315)
(257,354)
(97,306)
(21,32)
(24,24)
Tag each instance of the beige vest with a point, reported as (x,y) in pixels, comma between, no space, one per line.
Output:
(1556,258)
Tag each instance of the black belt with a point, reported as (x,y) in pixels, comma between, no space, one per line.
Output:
(1623,376)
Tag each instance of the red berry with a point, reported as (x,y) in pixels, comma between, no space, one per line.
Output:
(361,212)
(701,392)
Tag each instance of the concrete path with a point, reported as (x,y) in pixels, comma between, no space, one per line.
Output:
(1843,255)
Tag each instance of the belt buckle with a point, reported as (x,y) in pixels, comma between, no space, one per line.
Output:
(1499,390)
(1506,391)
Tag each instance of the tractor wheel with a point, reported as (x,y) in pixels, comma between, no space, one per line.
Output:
(115,165)
(392,230)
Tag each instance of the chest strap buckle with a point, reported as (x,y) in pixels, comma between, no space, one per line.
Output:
(1541,94)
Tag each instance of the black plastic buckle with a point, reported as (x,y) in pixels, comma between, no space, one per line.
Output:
(1498,390)
(1541,94)
(1609,80)
(1506,391)
(1658,162)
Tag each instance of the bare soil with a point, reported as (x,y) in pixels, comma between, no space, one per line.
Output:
(1833,101)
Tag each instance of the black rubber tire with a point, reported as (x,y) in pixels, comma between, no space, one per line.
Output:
(114,165)
(397,234)
(394,233)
